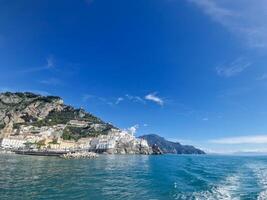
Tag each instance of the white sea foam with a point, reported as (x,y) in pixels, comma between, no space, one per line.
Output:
(260,171)
(262,195)
(223,191)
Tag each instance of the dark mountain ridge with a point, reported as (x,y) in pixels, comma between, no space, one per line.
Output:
(170,147)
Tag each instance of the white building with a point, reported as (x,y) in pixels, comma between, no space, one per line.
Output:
(84,143)
(109,141)
(106,144)
(78,123)
(13,143)
(47,133)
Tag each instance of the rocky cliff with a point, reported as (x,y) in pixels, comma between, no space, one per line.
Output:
(165,146)
(17,109)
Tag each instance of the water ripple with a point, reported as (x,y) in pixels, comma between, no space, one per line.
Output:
(134,177)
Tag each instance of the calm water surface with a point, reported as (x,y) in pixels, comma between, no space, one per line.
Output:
(134,177)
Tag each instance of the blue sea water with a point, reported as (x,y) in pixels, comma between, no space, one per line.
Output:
(134,177)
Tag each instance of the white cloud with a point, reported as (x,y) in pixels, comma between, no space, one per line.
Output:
(50,64)
(132,130)
(255,139)
(136,99)
(52,81)
(120,99)
(153,97)
(245,18)
(234,68)
(87,97)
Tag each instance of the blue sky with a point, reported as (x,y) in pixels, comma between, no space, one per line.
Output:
(189,70)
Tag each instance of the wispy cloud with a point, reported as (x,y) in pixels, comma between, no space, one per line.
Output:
(130,98)
(216,11)
(153,97)
(254,139)
(52,81)
(244,18)
(135,99)
(120,99)
(234,68)
(102,100)
(86,97)
(50,64)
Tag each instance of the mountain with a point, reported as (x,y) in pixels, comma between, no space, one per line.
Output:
(28,109)
(170,147)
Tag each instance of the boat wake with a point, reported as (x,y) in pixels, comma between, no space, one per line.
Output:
(225,190)
(260,172)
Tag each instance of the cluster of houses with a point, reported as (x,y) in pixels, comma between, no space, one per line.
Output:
(49,138)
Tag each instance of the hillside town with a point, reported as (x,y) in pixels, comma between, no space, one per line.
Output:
(44,123)
(49,138)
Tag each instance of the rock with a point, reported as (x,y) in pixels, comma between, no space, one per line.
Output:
(79,155)
(136,146)
(156,150)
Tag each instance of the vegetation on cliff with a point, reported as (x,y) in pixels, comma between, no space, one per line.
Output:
(28,109)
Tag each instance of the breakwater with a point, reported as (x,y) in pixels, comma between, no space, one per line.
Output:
(79,155)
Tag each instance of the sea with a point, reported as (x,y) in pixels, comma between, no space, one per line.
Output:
(134,177)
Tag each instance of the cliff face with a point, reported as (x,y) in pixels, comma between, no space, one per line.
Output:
(29,109)
(132,147)
(19,108)
(166,146)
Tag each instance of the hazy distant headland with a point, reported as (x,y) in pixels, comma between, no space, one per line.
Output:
(170,147)
(32,121)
